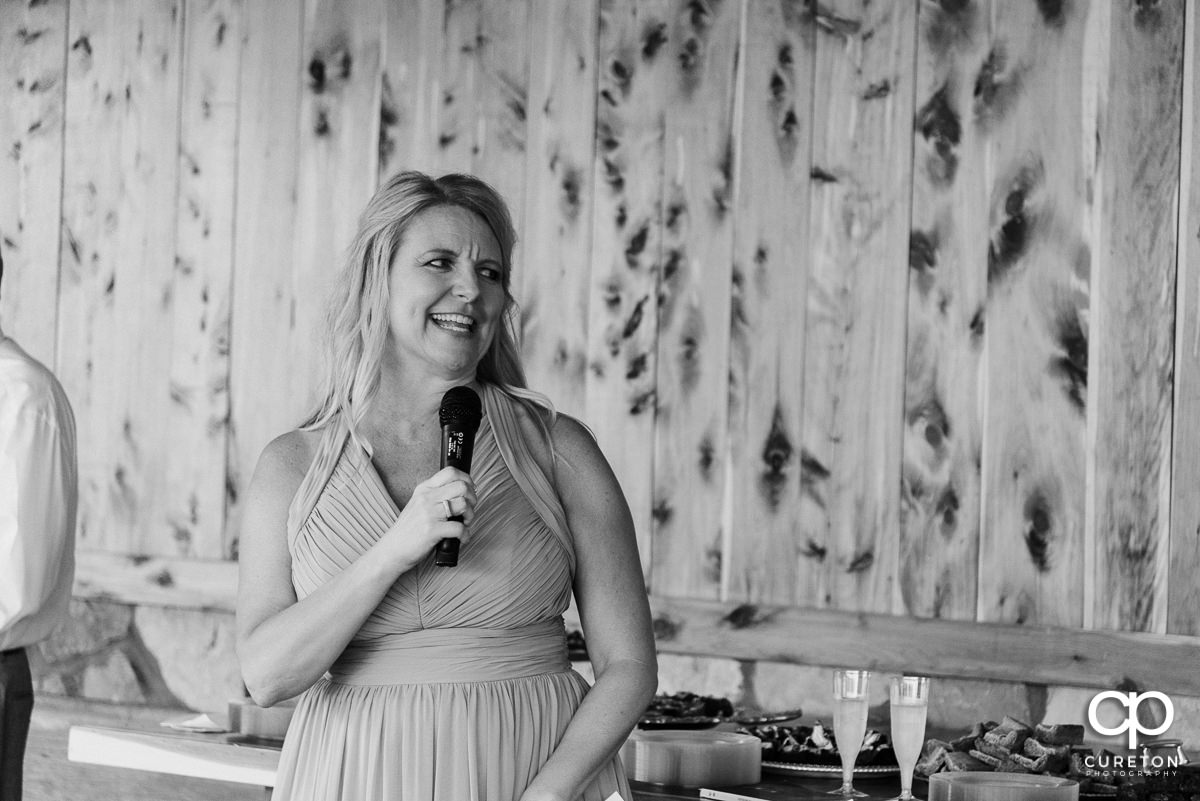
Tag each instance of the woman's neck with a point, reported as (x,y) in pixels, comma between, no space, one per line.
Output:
(404,399)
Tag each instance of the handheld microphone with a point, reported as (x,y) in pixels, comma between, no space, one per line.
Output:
(459,415)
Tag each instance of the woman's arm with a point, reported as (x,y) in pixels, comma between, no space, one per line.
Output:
(611,596)
(285,645)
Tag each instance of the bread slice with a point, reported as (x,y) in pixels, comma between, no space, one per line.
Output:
(1015,763)
(1050,758)
(932,759)
(959,761)
(1009,735)
(1059,733)
(983,745)
(986,759)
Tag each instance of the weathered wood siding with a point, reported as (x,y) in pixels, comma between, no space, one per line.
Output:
(880,308)
(765,556)
(1029,109)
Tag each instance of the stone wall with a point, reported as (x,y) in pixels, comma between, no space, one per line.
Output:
(161,656)
(146,655)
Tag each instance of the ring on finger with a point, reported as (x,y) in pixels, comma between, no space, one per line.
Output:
(449,509)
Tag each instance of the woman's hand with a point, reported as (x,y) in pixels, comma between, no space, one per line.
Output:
(423,522)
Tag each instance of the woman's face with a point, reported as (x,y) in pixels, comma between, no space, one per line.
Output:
(447,292)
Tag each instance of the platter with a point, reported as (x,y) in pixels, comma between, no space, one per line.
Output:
(691,722)
(763,718)
(815,771)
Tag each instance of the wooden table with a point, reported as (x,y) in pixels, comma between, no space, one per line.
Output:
(204,756)
(213,756)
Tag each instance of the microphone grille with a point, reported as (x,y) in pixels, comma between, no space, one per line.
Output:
(462,405)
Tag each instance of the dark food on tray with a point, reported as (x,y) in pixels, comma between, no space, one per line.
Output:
(756,718)
(1177,784)
(685,710)
(816,745)
(1015,747)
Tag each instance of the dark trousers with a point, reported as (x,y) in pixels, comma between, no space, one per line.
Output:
(16,707)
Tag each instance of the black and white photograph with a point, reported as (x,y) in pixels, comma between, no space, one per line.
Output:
(599,400)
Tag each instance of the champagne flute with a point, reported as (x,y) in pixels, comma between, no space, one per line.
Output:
(909,707)
(850,698)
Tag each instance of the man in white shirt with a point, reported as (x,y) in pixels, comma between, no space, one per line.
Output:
(38,496)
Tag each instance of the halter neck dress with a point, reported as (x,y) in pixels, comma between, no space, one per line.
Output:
(457,687)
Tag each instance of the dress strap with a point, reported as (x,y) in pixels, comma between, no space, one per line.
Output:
(525,469)
(329,452)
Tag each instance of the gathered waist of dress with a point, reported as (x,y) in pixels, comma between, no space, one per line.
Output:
(449,655)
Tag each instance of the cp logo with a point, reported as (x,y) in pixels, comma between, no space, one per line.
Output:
(1132,724)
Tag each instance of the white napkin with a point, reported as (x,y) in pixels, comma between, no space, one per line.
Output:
(198,723)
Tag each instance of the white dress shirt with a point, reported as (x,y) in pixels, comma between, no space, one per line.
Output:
(38,498)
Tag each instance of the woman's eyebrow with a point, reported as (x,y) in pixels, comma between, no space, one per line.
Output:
(441,251)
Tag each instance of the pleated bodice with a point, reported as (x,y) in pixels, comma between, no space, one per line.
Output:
(515,571)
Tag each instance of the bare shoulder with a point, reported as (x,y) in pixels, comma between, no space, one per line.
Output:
(582,474)
(575,446)
(284,461)
(280,471)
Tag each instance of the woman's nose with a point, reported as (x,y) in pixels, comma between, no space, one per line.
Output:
(466,285)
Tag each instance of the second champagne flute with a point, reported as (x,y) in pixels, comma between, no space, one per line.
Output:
(909,706)
(850,699)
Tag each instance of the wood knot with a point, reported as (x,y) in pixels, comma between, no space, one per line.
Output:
(653,40)
(316,74)
(665,629)
(742,616)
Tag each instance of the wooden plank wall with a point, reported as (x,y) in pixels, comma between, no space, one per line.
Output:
(876,308)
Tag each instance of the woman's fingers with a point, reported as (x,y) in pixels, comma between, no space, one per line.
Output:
(451,493)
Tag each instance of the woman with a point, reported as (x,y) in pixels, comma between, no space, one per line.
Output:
(426,682)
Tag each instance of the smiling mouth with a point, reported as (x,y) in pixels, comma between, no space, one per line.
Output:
(458,323)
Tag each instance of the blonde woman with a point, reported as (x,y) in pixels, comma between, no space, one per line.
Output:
(423,682)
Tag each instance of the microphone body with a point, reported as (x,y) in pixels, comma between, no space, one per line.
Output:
(460,414)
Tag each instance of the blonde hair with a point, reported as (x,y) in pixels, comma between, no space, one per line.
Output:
(358,313)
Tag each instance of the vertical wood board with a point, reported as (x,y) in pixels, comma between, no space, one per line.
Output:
(627,250)
(409,86)
(202,288)
(457,86)
(33,46)
(1135,315)
(1183,606)
(854,340)
(337,169)
(265,345)
(552,280)
(118,248)
(1036,318)
(765,558)
(501,104)
(940,484)
(691,445)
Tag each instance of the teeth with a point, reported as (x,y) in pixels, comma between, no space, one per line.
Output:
(454,319)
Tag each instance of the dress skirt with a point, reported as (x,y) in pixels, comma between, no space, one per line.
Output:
(463,741)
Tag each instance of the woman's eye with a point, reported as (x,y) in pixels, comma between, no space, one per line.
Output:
(490,273)
(441,264)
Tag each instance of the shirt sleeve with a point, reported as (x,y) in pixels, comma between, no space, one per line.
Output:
(37,492)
